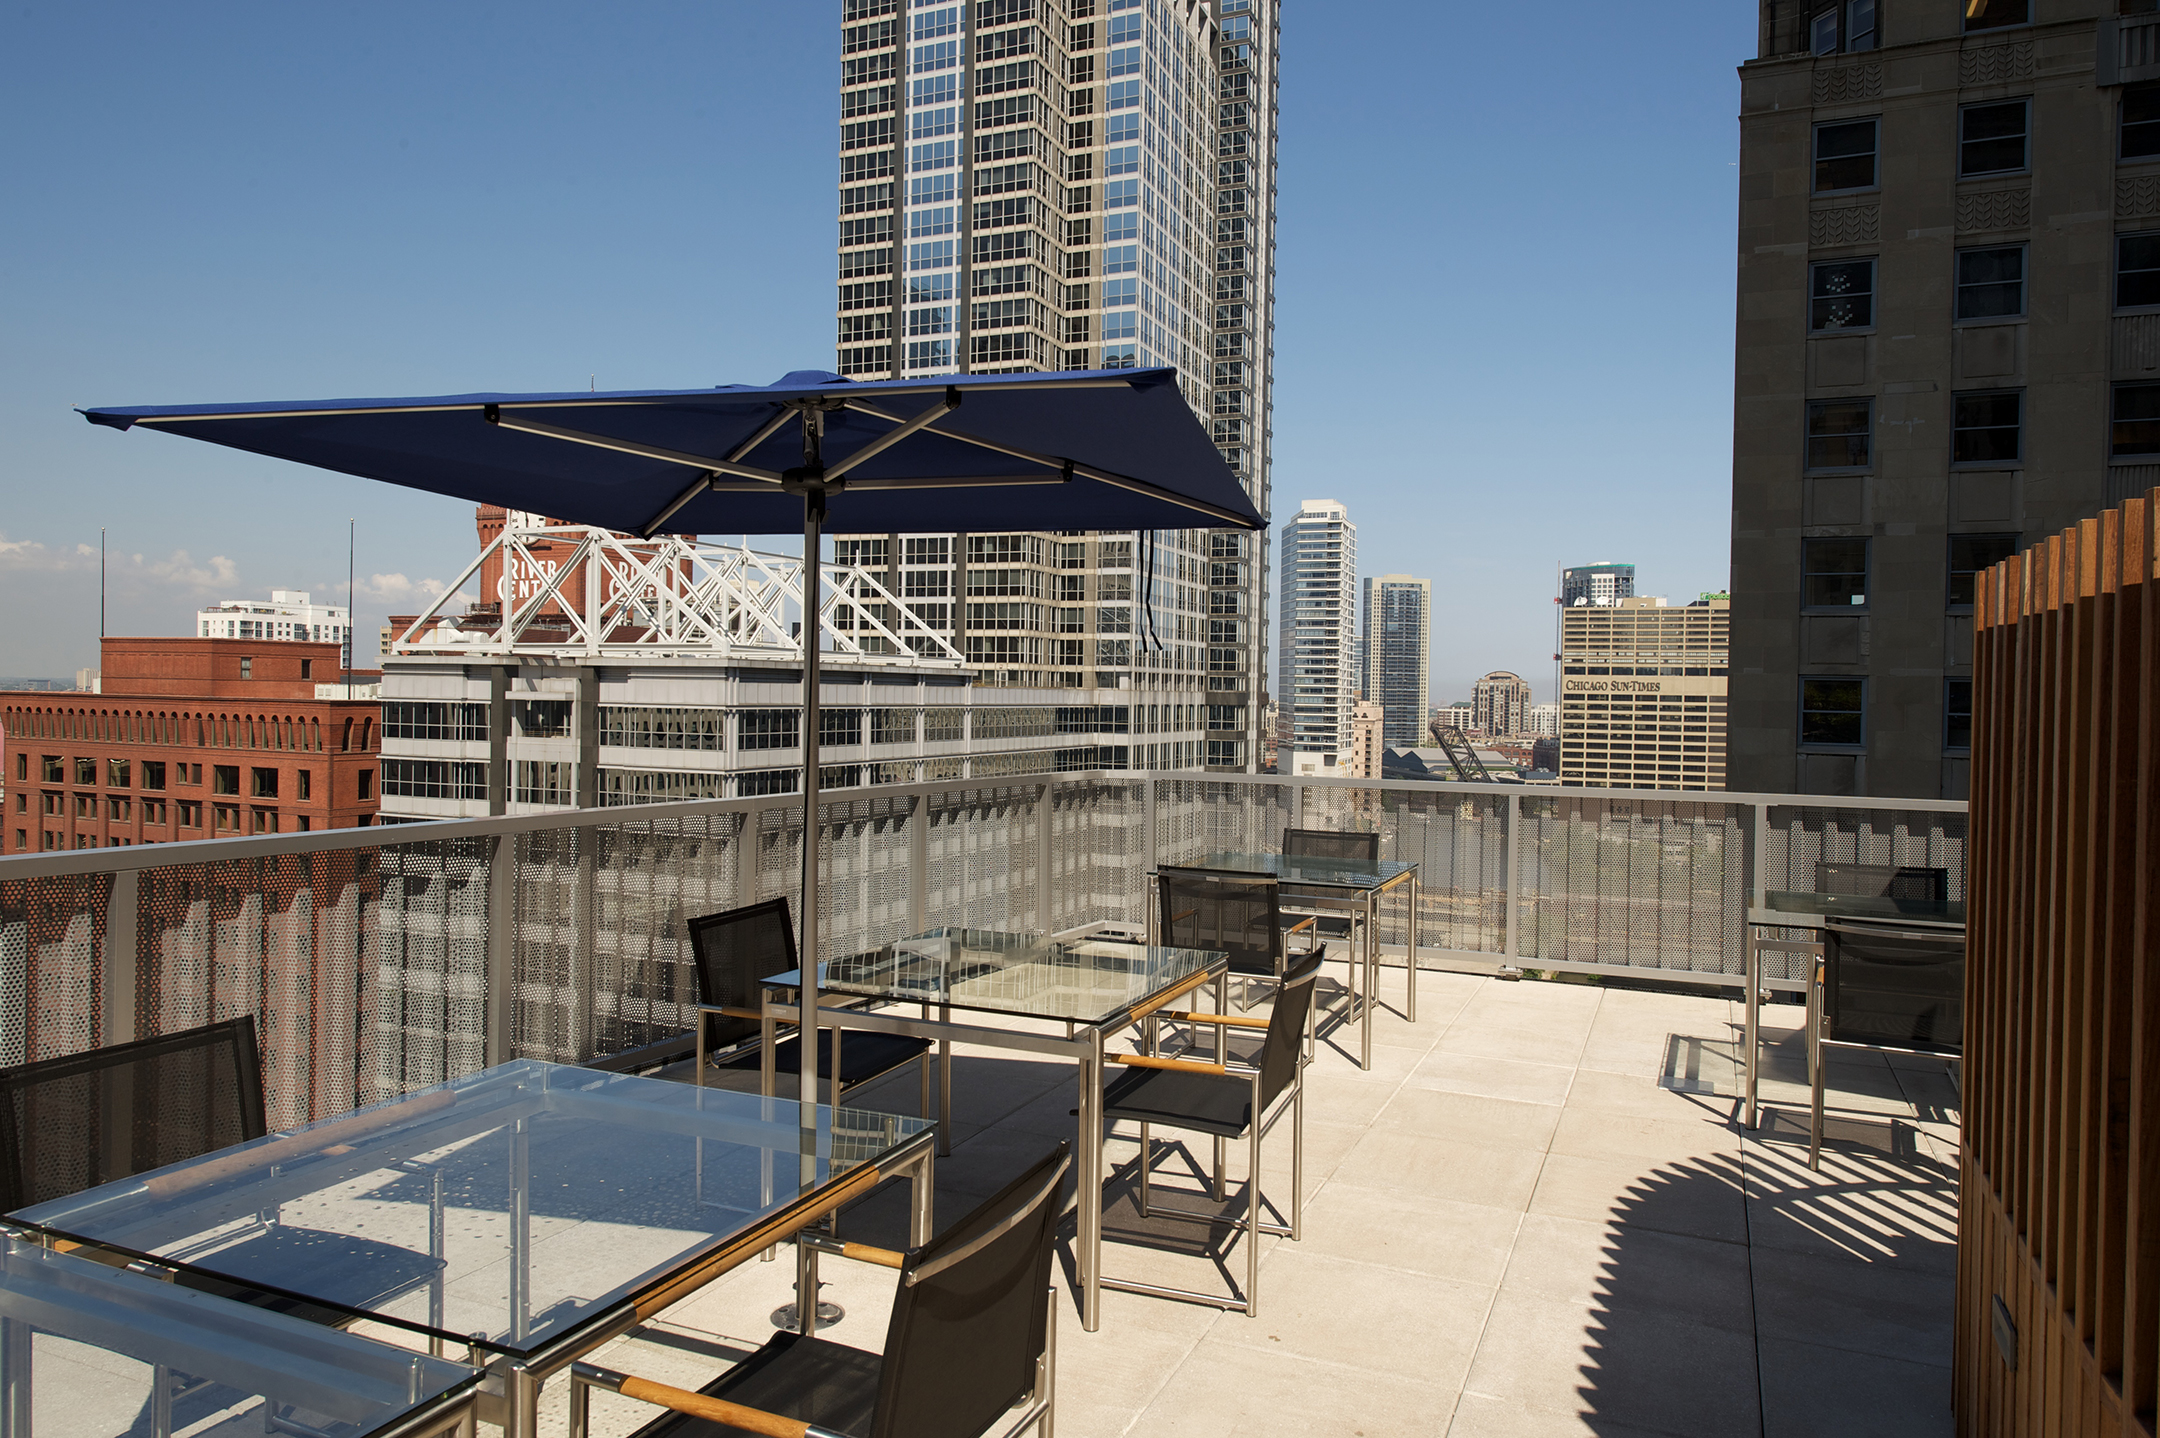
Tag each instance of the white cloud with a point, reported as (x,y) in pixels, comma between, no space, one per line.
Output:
(178,571)
(400,593)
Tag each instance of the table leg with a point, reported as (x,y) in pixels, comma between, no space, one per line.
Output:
(806,1289)
(922,1221)
(1752,969)
(944,1078)
(524,1403)
(1372,976)
(437,1250)
(14,1378)
(1088,1228)
(1413,945)
(520,1234)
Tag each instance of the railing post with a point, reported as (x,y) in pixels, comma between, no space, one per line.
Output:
(1758,887)
(1514,873)
(583,962)
(118,981)
(746,856)
(501,944)
(1045,910)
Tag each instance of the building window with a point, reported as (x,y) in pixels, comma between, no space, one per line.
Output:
(1837,433)
(86,771)
(1834,574)
(367,781)
(53,768)
(307,669)
(224,778)
(1991,283)
(247,668)
(1991,138)
(153,774)
(541,718)
(1841,295)
(264,783)
(1985,428)
(2140,122)
(1833,713)
(2137,271)
(2136,426)
(1969,554)
(1957,715)
(1994,14)
(768,729)
(307,784)
(1826,36)
(116,774)
(1845,156)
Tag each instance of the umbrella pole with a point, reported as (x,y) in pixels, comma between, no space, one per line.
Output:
(813,536)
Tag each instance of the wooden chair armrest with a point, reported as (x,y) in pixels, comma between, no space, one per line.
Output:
(1150,1061)
(1176,991)
(1304,923)
(1222,1020)
(860,1252)
(696,1405)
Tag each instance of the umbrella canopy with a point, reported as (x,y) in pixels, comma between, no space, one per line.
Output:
(1113,449)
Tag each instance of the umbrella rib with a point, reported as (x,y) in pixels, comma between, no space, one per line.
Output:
(877,446)
(644,451)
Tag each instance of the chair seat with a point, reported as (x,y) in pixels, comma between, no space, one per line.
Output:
(828,1384)
(1206,1103)
(863,1057)
(356,1272)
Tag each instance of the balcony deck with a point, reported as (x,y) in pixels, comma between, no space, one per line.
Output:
(1536,1215)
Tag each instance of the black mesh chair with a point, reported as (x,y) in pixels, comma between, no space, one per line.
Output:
(970,1350)
(738,949)
(69,1124)
(1239,914)
(1883,881)
(1354,845)
(1227,1101)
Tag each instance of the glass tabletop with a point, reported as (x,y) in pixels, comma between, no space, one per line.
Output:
(1863,906)
(516,1204)
(84,1344)
(1089,981)
(1304,869)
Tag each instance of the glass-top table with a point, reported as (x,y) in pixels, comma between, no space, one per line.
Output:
(533,1210)
(1351,886)
(1090,988)
(88,1350)
(1809,907)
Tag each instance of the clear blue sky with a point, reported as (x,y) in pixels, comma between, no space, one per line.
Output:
(1505,282)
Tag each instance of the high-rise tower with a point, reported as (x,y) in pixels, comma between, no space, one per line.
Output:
(1398,655)
(1064,185)
(1317,634)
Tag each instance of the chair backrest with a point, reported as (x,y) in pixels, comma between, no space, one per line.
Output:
(1239,914)
(72,1123)
(1284,1045)
(1898,989)
(970,1320)
(734,950)
(1883,881)
(1330,844)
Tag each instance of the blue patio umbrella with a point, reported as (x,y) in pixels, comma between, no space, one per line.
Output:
(1113,449)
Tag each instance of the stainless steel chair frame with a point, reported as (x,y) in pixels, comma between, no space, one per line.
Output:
(922,1062)
(1817,1019)
(1292,1100)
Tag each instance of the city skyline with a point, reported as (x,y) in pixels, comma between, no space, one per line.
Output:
(271,274)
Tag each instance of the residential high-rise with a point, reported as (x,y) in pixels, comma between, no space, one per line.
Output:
(1070,185)
(1642,694)
(1397,647)
(1598,584)
(1316,638)
(1368,742)
(1544,721)
(290,615)
(1501,704)
(1949,288)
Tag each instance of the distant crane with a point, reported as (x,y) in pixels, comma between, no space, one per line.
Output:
(1461,757)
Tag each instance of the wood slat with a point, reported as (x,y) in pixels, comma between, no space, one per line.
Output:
(2060,1213)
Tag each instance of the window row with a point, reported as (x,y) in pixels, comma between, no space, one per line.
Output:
(1988,283)
(1833,714)
(1987,427)
(1834,569)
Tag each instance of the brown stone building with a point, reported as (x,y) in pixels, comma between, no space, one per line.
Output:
(1948,344)
(191,739)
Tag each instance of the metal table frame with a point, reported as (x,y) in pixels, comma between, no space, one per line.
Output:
(1083,1044)
(509,1396)
(1362,904)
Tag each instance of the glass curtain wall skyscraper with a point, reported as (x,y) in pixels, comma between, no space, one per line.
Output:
(1398,655)
(1317,634)
(1042,185)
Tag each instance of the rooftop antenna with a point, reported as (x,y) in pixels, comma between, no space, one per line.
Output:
(101,586)
(351,528)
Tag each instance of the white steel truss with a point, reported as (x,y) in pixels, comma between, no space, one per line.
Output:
(574,591)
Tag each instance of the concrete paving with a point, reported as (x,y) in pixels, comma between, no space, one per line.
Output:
(1536,1214)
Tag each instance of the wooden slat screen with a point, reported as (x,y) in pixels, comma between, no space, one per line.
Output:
(2059,1225)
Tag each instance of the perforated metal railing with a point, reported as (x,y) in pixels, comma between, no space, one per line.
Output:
(379,960)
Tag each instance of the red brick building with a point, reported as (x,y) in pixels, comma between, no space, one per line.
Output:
(191,739)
